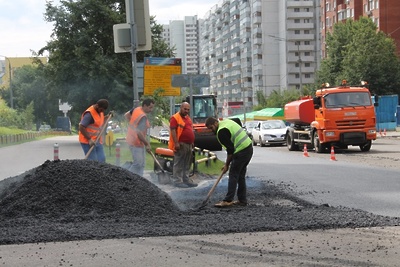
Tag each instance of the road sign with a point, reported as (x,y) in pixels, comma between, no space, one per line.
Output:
(157,74)
(183,80)
(109,138)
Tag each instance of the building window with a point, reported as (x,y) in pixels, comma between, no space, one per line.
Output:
(376,4)
(297,32)
(297,10)
(297,21)
(307,75)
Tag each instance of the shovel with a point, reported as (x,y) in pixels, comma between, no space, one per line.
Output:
(163,177)
(98,136)
(205,202)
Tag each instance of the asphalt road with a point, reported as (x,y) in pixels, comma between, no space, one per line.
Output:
(350,181)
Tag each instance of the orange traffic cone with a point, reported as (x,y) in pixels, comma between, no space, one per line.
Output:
(384,132)
(380,132)
(333,154)
(305,152)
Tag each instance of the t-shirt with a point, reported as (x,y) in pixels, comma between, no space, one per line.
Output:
(87,119)
(187,135)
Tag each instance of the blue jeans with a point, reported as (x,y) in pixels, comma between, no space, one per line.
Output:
(97,152)
(138,156)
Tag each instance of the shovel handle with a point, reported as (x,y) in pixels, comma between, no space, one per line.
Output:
(156,160)
(212,189)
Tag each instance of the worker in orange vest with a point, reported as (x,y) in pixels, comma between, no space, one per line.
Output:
(181,141)
(137,133)
(90,127)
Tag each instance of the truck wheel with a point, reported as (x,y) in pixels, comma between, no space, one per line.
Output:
(318,147)
(291,145)
(254,142)
(366,147)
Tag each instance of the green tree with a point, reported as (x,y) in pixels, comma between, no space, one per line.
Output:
(82,65)
(278,99)
(356,51)
(28,87)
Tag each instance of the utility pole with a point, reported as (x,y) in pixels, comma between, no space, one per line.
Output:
(299,56)
(300,63)
(133,30)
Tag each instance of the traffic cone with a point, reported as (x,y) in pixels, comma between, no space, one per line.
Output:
(380,132)
(333,154)
(384,132)
(305,152)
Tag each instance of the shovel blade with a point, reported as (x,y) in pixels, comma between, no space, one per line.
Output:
(163,178)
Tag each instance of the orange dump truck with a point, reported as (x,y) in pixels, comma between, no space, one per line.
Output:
(337,116)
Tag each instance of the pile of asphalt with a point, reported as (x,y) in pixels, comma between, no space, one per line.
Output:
(81,199)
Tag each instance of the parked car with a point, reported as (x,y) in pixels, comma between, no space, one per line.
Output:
(44,128)
(269,132)
(249,126)
(164,133)
(114,127)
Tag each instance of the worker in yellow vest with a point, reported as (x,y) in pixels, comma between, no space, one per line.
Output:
(239,149)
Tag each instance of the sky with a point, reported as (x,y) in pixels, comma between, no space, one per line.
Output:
(23,28)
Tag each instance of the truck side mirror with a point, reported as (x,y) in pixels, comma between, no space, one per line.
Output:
(317,102)
(376,100)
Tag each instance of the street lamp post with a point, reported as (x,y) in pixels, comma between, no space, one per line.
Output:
(299,56)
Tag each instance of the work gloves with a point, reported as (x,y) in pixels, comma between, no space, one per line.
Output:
(91,143)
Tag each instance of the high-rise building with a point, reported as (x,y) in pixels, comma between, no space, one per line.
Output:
(258,45)
(385,14)
(183,35)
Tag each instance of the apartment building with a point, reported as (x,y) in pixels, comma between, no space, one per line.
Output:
(258,45)
(184,36)
(385,14)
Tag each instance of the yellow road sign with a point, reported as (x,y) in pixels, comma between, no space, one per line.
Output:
(109,138)
(158,74)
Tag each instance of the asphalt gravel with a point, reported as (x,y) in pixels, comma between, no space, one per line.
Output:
(67,200)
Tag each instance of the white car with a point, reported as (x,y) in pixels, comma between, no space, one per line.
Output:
(249,126)
(269,132)
(164,133)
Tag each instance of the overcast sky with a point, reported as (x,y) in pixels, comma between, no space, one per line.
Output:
(22,27)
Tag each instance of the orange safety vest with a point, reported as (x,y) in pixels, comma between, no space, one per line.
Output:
(132,137)
(179,130)
(93,129)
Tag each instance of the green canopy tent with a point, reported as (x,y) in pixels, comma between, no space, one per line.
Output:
(249,116)
(269,114)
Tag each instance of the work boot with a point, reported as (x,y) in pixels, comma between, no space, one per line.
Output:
(191,184)
(223,204)
(239,203)
(181,185)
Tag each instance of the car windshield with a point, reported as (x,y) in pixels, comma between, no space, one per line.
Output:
(348,99)
(272,125)
(251,124)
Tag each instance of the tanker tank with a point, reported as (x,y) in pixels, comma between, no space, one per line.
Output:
(300,111)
